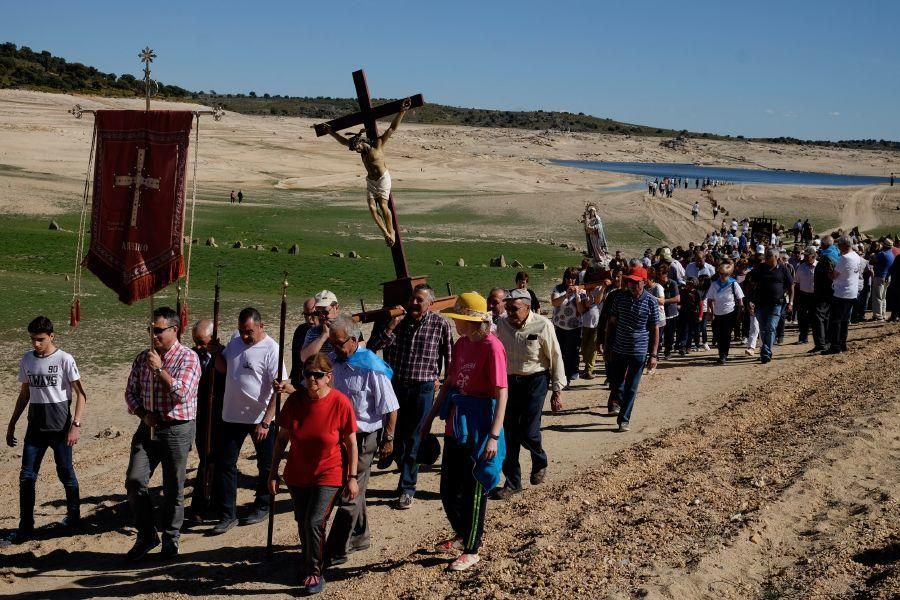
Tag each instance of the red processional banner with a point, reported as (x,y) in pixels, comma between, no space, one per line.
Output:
(137,215)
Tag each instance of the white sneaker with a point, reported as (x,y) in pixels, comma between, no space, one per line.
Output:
(749,352)
(465,561)
(706,346)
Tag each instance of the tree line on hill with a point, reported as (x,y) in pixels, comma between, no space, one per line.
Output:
(22,67)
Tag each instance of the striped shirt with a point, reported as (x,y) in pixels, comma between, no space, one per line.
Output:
(635,318)
(532,349)
(179,402)
(416,350)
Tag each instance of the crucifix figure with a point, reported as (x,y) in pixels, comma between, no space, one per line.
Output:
(367,117)
(138,181)
(378,179)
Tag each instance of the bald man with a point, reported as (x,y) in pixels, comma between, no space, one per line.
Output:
(309,321)
(202,335)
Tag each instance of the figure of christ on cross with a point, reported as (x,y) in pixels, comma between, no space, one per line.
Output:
(138,181)
(378,179)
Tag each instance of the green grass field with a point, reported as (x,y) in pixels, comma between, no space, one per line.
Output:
(35,263)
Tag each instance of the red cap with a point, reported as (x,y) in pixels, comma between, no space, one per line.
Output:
(636,274)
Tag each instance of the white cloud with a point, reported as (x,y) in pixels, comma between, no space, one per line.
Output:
(834,114)
(769,111)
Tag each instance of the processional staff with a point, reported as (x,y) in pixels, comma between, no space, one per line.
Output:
(281,325)
(210,399)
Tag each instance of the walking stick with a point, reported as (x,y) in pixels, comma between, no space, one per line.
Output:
(152,376)
(210,400)
(284,286)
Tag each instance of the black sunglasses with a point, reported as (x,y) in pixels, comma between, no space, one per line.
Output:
(314,374)
(159,330)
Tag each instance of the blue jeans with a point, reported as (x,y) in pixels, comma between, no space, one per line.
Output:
(231,437)
(768,317)
(415,399)
(624,378)
(36,444)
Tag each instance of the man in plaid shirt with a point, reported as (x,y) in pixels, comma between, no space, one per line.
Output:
(162,392)
(416,345)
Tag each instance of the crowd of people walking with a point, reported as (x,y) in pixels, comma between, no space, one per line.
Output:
(349,409)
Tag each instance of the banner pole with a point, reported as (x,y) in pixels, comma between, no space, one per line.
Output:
(152,376)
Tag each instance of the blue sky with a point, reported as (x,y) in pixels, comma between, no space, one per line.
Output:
(821,70)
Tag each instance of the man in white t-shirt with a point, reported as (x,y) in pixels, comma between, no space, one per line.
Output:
(49,377)
(250,364)
(845,283)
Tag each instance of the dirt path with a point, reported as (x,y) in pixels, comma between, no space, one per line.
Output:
(859,211)
(650,510)
(672,216)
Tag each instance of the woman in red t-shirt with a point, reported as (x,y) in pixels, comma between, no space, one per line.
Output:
(320,425)
(478,369)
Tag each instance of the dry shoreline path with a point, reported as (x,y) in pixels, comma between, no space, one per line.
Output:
(740,481)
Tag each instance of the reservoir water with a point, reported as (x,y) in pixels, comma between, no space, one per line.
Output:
(692,172)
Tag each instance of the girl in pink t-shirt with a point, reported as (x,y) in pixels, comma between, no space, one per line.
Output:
(478,369)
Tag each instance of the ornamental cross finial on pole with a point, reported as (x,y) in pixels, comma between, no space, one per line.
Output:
(147,55)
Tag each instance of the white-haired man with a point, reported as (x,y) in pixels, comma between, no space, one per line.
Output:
(366,379)
(534,360)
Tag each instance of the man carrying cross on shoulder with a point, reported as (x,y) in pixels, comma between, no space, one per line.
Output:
(378,180)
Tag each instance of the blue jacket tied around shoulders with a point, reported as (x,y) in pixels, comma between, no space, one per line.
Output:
(471,424)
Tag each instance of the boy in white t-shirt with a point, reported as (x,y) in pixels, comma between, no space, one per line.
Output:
(49,377)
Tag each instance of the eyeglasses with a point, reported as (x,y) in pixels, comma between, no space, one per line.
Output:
(314,374)
(340,344)
(310,314)
(159,330)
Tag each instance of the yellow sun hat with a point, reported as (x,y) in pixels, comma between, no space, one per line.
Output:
(470,306)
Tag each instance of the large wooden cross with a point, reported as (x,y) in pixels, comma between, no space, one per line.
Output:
(138,181)
(398,291)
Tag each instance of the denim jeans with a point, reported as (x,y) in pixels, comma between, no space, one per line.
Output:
(768,317)
(415,399)
(36,444)
(624,378)
(169,447)
(231,438)
(522,424)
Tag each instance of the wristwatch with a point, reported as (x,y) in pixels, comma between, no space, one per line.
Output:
(157,371)
(264,425)
(494,437)
(76,423)
(387,438)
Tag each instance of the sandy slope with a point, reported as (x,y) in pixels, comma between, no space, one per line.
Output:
(38,137)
